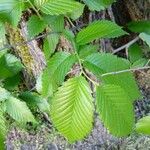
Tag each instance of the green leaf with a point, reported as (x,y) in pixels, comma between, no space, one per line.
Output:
(4,94)
(98,4)
(12,82)
(139,63)
(69,35)
(94,5)
(72,109)
(126,81)
(3,130)
(145,37)
(39,3)
(50,44)
(2,53)
(134,53)
(7,5)
(139,26)
(99,29)
(19,111)
(16,13)
(87,50)
(11,11)
(57,7)
(56,23)
(35,100)
(10,66)
(143,125)
(115,109)
(77,13)
(101,64)
(57,68)
(107,2)
(35,26)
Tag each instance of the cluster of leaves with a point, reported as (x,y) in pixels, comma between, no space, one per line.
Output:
(70,102)
(141,27)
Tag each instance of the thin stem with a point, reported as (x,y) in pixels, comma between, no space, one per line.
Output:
(72,71)
(77,55)
(123,71)
(81,67)
(70,22)
(92,81)
(80,63)
(7,46)
(147,62)
(37,12)
(83,72)
(126,46)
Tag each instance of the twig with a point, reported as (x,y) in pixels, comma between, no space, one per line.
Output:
(92,81)
(69,20)
(126,45)
(72,71)
(147,62)
(26,42)
(123,71)
(37,12)
(7,46)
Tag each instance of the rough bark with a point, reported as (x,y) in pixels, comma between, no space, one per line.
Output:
(29,53)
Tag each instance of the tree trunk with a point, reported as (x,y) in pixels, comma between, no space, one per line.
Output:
(29,53)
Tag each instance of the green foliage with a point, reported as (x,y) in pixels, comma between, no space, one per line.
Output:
(35,100)
(77,13)
(19,111)
(11,10)
(94,5)
(7,5)
(35,26)
(107,2)
(121,80)
(56,23)
(12,82)
(57,68)
(71,104)
(57,7)
(139,63)
(16,109)
(50,44)
(72,109)
(98,4)
(113,105)
(99,64)
(3,130)
(39,3)
(143,125)
(145,37)
(10,66)
(99,29)
(134,53)
(140,26)
(4,94)
(87,50)
(136,56)
(16,13)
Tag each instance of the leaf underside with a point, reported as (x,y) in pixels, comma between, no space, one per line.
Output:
(115,109)
(72,109)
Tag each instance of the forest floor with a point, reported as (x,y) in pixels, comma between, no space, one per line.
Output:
(46,138)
